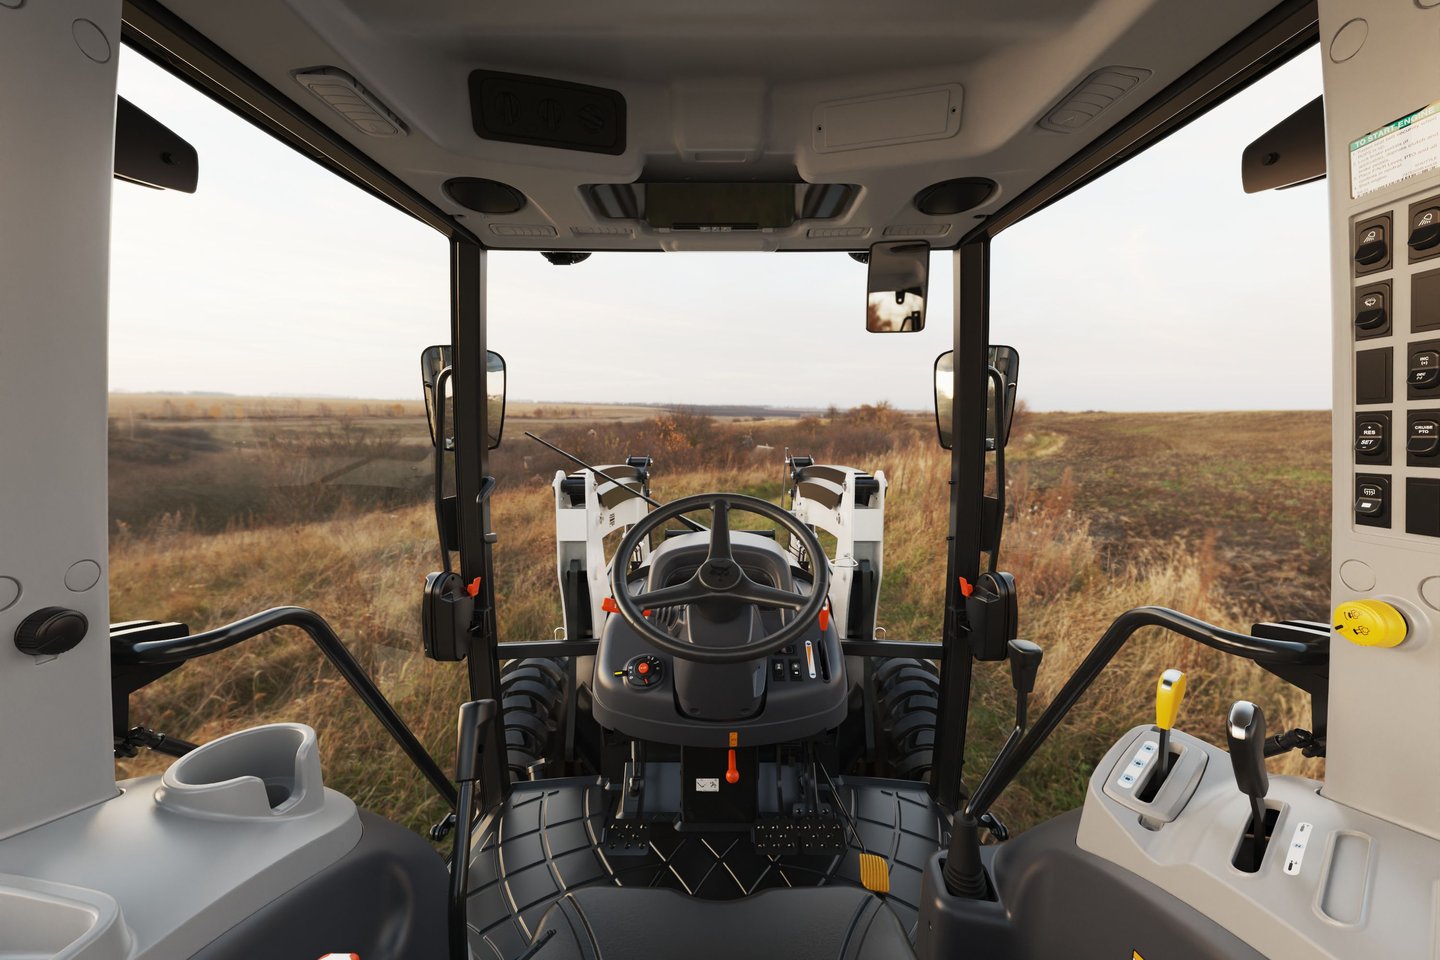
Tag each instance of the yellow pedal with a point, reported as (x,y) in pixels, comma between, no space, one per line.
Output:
(874,873)
(1169,693)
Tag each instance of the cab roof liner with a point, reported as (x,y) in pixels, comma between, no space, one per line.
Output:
(554,101)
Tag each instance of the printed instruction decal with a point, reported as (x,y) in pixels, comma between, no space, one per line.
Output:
(1397,151)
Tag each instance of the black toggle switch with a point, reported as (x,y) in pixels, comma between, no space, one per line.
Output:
(1371,314)
(1369,506)
(1370,438)
(1372,248)
(1424,438)
(1424,369)
(1425,234)
(1369,499)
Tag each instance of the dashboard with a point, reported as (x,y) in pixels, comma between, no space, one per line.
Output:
(798,691)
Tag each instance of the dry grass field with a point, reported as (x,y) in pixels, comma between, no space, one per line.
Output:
(215,518)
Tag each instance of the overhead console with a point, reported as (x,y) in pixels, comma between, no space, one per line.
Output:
(720,206)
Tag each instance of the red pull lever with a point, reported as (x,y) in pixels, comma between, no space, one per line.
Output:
(732,775)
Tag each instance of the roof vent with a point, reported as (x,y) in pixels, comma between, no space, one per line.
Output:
(1095,94)
(917,230)
(530,231)
(343,94)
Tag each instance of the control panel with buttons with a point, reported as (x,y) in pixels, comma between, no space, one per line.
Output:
(1372,438)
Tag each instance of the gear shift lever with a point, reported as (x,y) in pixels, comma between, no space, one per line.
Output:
(1245,733)
(1169,693)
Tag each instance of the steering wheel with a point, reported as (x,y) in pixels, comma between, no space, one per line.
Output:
(720,579)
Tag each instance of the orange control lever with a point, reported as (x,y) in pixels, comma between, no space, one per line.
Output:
(732,775)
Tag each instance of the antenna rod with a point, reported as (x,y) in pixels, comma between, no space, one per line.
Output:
(605,476)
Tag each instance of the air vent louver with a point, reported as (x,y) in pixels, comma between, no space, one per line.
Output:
(344,94)
(1095,94)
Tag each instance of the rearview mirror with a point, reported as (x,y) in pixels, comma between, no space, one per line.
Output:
(1006,362)
(896,288)
(1288,154)
(436,359)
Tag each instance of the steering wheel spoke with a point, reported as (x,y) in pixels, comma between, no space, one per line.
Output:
(760,594)
(676,595)
(720,532)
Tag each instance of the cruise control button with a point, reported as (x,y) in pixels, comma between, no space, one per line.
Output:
(1370,437)
(1425,369)
(1425,229)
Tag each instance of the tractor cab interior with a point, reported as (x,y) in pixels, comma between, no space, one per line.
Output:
(719,752)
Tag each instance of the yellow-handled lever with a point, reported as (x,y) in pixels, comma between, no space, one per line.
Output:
(1169,693)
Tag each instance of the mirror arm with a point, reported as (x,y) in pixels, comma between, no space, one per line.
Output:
(442,380)
(997,381)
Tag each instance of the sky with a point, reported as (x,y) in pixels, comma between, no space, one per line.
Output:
(1163,286)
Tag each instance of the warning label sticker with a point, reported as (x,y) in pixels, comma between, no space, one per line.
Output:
(1397,151)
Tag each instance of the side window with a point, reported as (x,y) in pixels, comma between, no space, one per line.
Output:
(1176,332)
(268,442)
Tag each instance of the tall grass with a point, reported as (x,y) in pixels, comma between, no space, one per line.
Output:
(362,569)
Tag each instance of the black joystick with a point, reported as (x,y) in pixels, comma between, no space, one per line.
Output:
(964,872)
(1245,734)
(1025,659)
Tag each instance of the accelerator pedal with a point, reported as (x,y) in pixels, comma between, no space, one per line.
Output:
(874,873)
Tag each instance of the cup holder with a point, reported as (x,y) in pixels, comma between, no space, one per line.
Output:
(258,774)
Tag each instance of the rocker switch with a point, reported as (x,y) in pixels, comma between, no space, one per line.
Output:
(1369,500)
(1370,438)
(1424,370)
(1370,248)
(1425,230)
(1370,314)
(1424,438)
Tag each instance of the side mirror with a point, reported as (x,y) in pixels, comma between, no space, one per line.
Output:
(1006,362)
(436,359)
(896,288)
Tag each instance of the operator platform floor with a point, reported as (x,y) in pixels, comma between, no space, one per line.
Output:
(546,840)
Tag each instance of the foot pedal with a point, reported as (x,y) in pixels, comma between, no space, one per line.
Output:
(820,835)
(627,839)
(775,838)
(874,873)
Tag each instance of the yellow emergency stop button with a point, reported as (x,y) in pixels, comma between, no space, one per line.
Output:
(1370,623)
